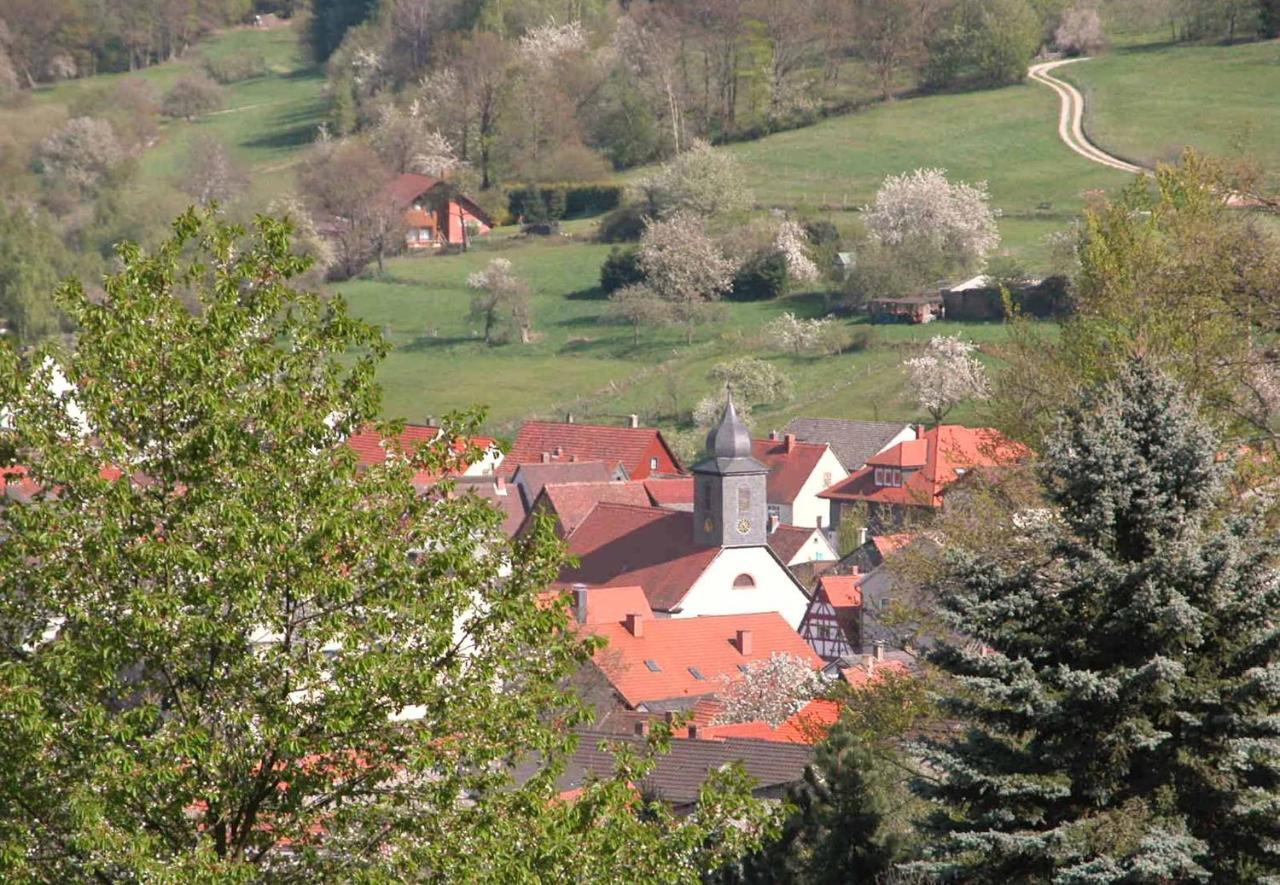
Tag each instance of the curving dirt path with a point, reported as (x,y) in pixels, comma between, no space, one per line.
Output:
(1071,117)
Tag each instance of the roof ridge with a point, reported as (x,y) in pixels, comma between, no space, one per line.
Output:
(588,424)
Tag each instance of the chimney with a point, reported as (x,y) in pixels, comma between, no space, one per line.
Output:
(862,536)
(788,443)
(499,486)
(568,419)
(559,451)
(546,457)
(580,603)
(693,731)
(633,421)
(744,642)
(774,521)
(869,664)
(877,650)
(920,431)
(635,625)
(773,434)
(642,728)
(573,459)
(854,571)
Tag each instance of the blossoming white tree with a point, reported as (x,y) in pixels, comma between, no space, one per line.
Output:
(769,691)
(753,381)
(685,268)
(542,46)
(794,246)
(1080,31)
(500,294)
(792,333)
(945,375)
(700,180)
(922,210)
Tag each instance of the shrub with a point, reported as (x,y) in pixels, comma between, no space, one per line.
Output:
(620,269)
(192,96)
(243,65)
(565,200)
(623,225)
(592,199)
(761,277)
(822,233)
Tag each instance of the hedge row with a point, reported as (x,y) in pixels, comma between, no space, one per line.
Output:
(551,202)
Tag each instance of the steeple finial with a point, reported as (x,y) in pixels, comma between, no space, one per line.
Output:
(730,437)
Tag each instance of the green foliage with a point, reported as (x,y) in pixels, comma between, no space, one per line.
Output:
(192,96)
(562,200)
(761,277)
(620,269)
(623,225)
(983,43)
(243,65)
(32,259)
(1118,683)
(202,659)
(330,21)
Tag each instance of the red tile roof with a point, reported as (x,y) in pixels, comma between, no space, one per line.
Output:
(409,186)
(840,591)
(371,447)
(790,465)
(501,494)
(572,501)
(888,544)
(621,544)
(670,491)
(532,477)
(655,665)
(859,676)
(629,446)
(788,540)
(950,451)
(808,725)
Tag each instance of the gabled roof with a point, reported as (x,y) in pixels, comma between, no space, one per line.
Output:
(499,493)
(660,663)
(654,548)
(852,441)
(586,442)
(952,450)
(371,447)
(840,591)
(889,544)
(571,502)
(788,540)
(790,464)
(910,454)
(532,477)
(808,725)
(669,491)
(409,186)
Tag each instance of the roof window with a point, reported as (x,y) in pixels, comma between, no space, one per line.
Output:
(696,673)
(653,666)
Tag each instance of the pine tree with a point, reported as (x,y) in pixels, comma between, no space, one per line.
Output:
(1122,710)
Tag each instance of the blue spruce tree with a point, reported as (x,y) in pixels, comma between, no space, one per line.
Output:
(1121,696)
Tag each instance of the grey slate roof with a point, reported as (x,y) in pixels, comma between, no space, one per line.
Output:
(852,441)
(678,774)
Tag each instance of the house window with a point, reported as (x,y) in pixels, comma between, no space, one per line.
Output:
(706,495)
(896,479)
(826,479)
(879,477)
(653,463)
(743,582)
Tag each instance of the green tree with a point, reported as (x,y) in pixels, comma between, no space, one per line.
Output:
(983,43)
(330,20)
(227,654)
(32,259)
(1119,685)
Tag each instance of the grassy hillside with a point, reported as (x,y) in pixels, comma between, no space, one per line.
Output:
(1145,103)
(265,122)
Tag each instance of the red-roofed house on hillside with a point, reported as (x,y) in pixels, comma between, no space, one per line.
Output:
(371,449)
(907,480)
(434,216)
(798,473)
(668,663)
(640,451)
(833,624)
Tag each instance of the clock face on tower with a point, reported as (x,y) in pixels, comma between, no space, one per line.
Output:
(709,526)
(744,526)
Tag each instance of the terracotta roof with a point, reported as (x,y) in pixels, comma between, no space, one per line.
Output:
(788,540)
(912,453)
(409,186)
(627,446)
(660,663)
(532,477)
(371,447)
(840,591)
(572,501)
(670,491)
(789,466)
(887,544)
(852,441)
(500,494)
(808,725)
(678,774)
(951,451)
(611,605)
(622,544)
(858,676)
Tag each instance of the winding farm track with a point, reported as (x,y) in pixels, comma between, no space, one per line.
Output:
(1071,117)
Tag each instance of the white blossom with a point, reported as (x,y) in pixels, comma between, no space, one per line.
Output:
(794,246)
(924,206)
(946,374)
(792,333)
(770,691)
(546,44)
(1080,31)
(701,180)
(682,263)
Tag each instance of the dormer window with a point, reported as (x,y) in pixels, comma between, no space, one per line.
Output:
(886,476)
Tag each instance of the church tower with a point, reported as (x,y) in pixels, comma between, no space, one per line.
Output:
(729,504)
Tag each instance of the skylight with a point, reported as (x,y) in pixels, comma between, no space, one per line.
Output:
(696,673)
(653,666)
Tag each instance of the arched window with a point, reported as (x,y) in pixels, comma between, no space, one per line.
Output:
(743,582)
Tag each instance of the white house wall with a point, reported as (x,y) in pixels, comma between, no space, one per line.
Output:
(775,590)
(808,508)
